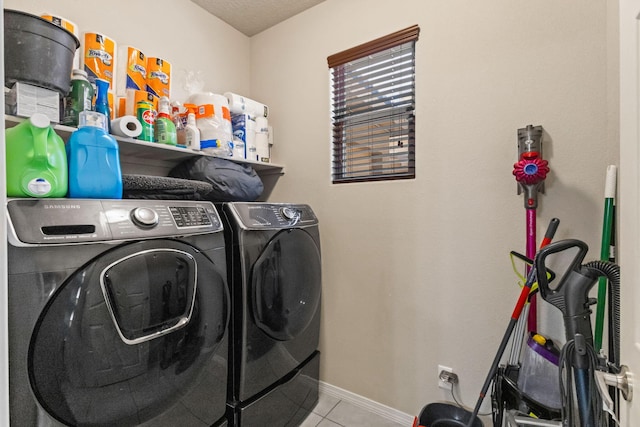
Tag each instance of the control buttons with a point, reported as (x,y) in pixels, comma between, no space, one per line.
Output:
(189,216)
(144,217)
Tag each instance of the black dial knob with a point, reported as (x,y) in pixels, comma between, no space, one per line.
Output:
(144,217)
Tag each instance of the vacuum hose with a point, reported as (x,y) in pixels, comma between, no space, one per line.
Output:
(612,272)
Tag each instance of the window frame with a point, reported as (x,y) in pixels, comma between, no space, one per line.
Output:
(341,173)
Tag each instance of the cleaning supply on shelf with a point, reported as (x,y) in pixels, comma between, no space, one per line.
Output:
(159,77)
(36,163)
(79,99)
(165,129)
(94,160)
(102,102)
(191,131)
(179,116)
(211,133)
(146,114)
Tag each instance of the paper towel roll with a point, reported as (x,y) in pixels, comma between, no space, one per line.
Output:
(98,57)
(126,126)
(131,70)
(69,26)
(239,104)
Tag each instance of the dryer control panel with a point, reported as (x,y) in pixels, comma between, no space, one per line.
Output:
(260,216)
(68,221)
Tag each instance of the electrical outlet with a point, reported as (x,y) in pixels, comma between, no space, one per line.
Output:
(442,379)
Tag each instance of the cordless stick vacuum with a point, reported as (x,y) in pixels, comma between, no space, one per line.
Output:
(530,171)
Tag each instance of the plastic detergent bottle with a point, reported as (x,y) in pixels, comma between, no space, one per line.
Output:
(192,133)
(102,102)
(165,129)
(79,99)
(94,160)
(36,160)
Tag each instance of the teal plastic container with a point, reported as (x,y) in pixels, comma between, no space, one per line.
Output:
(36,160)
(94,160)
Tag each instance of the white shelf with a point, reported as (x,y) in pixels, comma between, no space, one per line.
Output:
(140,156)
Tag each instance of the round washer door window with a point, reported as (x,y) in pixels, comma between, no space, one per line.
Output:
(287,284)
(131,336)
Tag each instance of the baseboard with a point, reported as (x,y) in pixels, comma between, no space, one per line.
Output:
(368,404)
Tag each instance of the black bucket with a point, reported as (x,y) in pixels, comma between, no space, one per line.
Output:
(37,51)
(446,415)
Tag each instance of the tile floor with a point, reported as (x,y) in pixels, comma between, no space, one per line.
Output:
(333,412)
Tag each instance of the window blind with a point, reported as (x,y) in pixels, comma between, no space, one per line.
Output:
(373,102)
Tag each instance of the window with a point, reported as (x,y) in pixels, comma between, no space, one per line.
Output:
(373,101)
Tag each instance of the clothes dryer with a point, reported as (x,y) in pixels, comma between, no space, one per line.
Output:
(274,267)
(118,313)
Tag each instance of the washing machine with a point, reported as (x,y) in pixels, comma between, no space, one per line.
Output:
(118,313)
(274,274)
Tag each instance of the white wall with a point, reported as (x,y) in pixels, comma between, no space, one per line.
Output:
(416,273)
(180,32)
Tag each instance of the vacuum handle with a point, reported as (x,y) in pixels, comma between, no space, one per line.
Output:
(554,248)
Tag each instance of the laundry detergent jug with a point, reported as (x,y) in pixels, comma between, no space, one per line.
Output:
(36,160)
(94,160)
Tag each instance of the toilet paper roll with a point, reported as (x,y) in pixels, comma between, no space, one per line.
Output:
(126,126)
(239,104)
(262,139)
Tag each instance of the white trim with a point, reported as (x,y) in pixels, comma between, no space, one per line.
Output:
(368,404)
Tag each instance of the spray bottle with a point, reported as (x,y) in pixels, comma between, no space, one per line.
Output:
(102,102)
(165,130)
(192,133)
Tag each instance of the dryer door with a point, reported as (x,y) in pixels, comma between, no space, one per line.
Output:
(137,335)
(287,284)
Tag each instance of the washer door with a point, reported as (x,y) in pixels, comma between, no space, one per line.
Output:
(287,283)
(135,335)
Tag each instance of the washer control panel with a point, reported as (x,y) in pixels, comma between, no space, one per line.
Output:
(66,221)
(272,215)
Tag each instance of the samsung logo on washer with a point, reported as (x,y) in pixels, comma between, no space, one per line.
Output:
(62,206)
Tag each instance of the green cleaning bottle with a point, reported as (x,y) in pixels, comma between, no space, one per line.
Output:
(36,160)
(165,129)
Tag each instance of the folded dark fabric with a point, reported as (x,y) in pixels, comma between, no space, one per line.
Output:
(163,188)
(232,182)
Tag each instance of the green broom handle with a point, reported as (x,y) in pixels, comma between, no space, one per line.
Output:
(607,225)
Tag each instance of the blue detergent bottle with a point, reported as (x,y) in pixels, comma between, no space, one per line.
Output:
(94,160)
